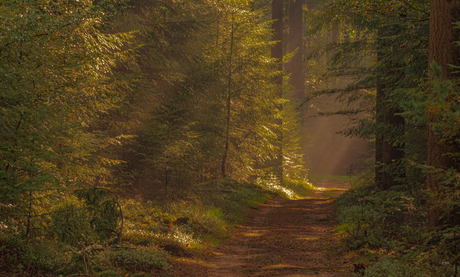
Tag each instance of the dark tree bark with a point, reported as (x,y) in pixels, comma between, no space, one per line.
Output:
(277,53)
(389,153)
(443,52)
(379,137)
(295,43)
(392,154)
(379,118)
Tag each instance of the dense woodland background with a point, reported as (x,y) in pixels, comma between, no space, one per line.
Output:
(146,126)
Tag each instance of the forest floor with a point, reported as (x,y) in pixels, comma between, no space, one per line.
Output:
(282,237)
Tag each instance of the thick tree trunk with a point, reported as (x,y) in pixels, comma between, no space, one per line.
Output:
(277,53)
(295,43)
(443,52)
(392,155)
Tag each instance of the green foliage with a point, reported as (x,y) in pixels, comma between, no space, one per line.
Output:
(70,223)
(378,44)
(90,216)
(374,216)
(393,224)
(394,268)
(299,187)
(20,256)
(134,259)
(231,197)
(215,52)
(292,188)
(151,224)
(103,211)
(54,80)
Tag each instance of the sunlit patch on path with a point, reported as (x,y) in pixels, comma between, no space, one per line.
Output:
(284,238)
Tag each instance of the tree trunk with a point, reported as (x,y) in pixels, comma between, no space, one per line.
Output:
(392,155)
(229,93)
(295,43)
(390,170)
(379,137)
(443,52)
(379,118)
(277,53)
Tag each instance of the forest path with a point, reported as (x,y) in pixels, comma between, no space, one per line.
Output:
(282,238)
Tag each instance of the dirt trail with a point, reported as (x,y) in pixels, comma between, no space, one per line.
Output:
(282,238)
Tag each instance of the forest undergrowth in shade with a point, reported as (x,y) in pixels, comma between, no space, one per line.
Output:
(385,233)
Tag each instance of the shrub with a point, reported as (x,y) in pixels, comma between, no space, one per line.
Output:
(17,254)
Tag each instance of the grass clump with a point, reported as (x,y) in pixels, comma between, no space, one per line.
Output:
(292,188)
(300,187)
(19,255)
(137,259)
(393,268)
(231,197)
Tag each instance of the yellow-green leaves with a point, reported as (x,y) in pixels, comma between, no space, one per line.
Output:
(54,78)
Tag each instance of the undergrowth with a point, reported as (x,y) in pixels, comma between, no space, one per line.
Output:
(291,189)
(153,231)
(386,234)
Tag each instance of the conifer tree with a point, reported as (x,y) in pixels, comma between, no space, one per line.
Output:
(206,109)
(440,149)
(277,53)
(55,66)
(56,85)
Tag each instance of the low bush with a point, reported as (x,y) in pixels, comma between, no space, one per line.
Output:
(20,255)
